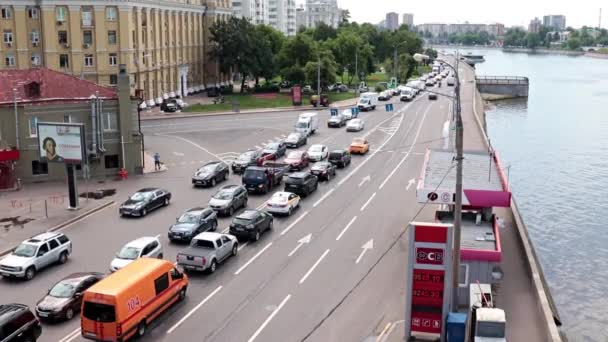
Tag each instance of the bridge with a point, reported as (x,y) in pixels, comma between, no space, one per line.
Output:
(502,87)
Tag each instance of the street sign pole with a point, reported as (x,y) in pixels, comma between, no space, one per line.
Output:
(72,190)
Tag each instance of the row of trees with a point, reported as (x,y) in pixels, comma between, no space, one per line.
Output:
(546,35)
(471,38)
(259,51)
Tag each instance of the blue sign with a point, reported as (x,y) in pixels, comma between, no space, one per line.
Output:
(355,112)
(389,107)
(334,111)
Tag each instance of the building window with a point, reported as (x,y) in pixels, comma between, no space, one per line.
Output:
(39,168)
(35,59)
(32,124)
(8,37)
(64,61)
(33,13)
(63,37)
(35,37)
(111,13)
(113,59)
(88,60)
(9,60)
(7,13)
(110,122)
(111,37)
(60,14)
(113,79)
(87,37)
(463,276)
(111,161)
(87,16)
(67,118)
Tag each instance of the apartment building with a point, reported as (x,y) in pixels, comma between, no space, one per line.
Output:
(280,14)
(392,21)
(556,21)
(408,19)
(437,30)
(322,11)
(162,43)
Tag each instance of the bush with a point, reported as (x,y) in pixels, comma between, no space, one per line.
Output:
(379,88)
(266,88)
(227,90)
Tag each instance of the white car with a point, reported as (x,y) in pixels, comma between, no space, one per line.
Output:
(283,203)
(355,125)
(318,152)
(144,247)
(347,114)
(451,81)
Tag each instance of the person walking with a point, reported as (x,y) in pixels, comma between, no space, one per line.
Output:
(156,161)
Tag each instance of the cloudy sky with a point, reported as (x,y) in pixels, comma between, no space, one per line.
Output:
(508,12)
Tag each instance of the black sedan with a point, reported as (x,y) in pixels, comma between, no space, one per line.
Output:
(295,140)
(144,201)
(193,222)
(65,297)
(277,149)
(432,96)
(336,121)
(210,174)
(249,158)
(250,224)
(323,170)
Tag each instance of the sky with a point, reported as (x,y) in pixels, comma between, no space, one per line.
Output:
(508,12)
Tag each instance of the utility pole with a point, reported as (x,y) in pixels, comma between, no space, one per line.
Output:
(395,62)
(356,71)
(16,118)
(319,79)
(458,200)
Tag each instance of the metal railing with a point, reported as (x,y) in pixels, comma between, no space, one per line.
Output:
(502,80)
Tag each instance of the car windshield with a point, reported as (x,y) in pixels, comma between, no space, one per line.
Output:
(203,244)
(246,156)
(188,218)
(141,196)
(207,168)
(295,155)
(279,198)
(62,290)
(302,124)
(320,166)
(25,250)
(293,136)
(316,148)
(358,141)
(254,174)
(128,253)
(223,195)
(355,122)
(272,146)
(241,221)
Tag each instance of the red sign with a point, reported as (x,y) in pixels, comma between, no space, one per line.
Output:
(428,278)
(429,256)
(431,234)
(428,322)
(296,95)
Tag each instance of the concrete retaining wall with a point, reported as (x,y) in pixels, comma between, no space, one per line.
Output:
(510,90)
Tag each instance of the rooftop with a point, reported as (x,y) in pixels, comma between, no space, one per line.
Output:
(42,85)
(473,236)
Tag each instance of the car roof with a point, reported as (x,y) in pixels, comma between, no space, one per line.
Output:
(282,194)
(208,236)
(248,214)
(319,145)
(212,163)
(40,238)
(8,311)
(321,163)
(298,175)
(78,277)
(148,190)
(230,187)
(196,210)
(299,152)
(141,242)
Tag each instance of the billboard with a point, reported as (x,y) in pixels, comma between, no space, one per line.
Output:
(61,142)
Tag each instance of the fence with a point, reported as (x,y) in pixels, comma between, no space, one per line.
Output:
(483,80)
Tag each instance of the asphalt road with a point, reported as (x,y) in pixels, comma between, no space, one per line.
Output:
(330,289)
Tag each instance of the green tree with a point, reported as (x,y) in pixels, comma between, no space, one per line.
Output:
(323,32)
(573,43)
(515,37)
(298,50)
(268,43)
(532,40)
(431,53)
(329,67)
(294,74)
(348,49)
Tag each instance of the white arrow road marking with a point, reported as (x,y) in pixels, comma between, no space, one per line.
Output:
(410,183)
(368,245)
(179,154)
(365,179)
(301,242)
(257,332)
(314,266)
(193,310)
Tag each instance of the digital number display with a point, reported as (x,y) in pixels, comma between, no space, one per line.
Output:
(428,278)
(427,293)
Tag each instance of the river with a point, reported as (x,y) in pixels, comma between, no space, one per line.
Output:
(556,144)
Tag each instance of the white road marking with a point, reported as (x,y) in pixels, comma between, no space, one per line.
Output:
(191,143)
(294,223)
(365,179)
(323,198)
(179,154)
(301,242)
(85,217)
(346,228)
(368,245)
(71,336)
(257,332)
(242,246)
(258,147)
(314,266)
(252,259)
(410,183)
(193,310)
(368,201)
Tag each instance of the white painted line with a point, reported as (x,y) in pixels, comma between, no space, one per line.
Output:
(393,172)
(71,336)
(193,310)
(257,332)
(243,246)
(191,143)
(225,230)
(368,201)
(84,218)
(258,147)
(252,259)
(179,154)
(346,228)
(314,266)
(323,198)
(294,223)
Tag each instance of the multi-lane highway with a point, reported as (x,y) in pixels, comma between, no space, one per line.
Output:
(320,275)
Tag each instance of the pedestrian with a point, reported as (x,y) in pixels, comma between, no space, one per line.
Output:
(156,161)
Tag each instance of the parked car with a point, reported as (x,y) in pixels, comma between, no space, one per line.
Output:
(385,95)
(18,323)
(276,149)
(229,199)
(347,113)
(283,203)
(430,82)
(65,297)
(297,160)
(249,158)
(34,254)
(407,95)
(432,96)
(211,173)
(301,183)
(359,145)
(206,251)
(144,201)
(170,105)
(191,223)
(355,125)
(338,87)
(317,152)
(143,247)
(323,170)
(340,158)
(451,81)
(295,140)
(336,121)
(307,89)
(251,224)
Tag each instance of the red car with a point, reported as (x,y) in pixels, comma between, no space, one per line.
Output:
(266,157)
(297,160)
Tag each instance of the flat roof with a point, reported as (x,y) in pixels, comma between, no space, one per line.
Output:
(479,171)
(115,283)
(473,236)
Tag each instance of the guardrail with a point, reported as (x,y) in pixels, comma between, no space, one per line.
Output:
(501,80)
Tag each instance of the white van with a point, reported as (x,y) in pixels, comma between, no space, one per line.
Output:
(368,101)
(308,123)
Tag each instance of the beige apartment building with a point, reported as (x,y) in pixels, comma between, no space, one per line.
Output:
(163,43)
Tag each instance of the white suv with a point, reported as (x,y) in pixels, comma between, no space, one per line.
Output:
(36,253)
(144,247)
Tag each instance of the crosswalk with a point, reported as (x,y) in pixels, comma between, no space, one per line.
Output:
(392,127)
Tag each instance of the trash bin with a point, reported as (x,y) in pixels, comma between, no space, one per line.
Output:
(456,327)
(236,106)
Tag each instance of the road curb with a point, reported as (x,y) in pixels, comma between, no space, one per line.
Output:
(68,222)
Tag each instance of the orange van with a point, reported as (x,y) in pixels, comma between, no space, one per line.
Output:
(123,304)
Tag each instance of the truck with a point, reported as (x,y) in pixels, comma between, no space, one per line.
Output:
(485,323)
(206,251)
(265,177)
(308,123)
(368,101)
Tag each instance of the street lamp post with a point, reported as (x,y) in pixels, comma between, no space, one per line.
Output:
(458,201)
(319,78)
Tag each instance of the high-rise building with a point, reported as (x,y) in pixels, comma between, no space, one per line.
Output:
(280,14)
(535,25)
(434,30)
(162,43)
(392,21)
(496,29)
(555,21)
(301,17)
(439,30)
(408,19)
(322,11)
(243,8)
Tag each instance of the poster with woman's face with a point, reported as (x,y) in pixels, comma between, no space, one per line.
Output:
(60,143)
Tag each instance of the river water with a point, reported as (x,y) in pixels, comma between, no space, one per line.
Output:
(556,144)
